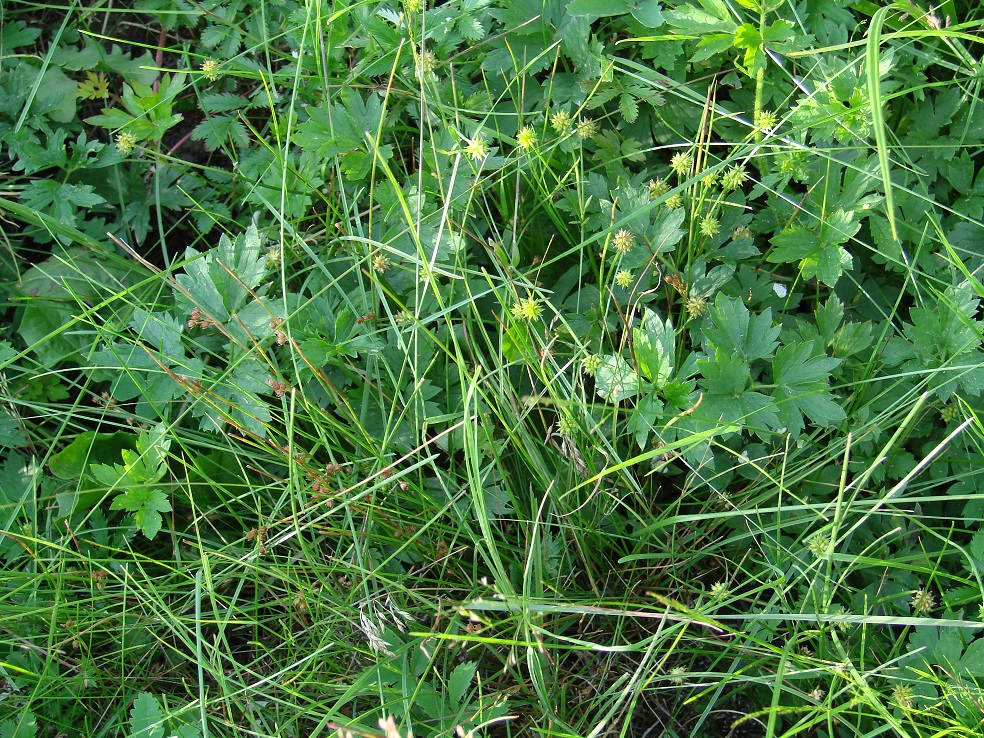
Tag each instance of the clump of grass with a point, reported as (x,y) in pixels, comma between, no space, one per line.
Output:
(449,371)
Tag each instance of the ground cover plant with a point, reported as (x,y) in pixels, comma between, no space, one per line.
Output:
(491,368)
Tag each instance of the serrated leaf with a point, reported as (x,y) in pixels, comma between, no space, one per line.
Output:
(727,398)
(828,318)
(795,366)
(668,230)
(460,681)
(18,483)
(218,130)
(828,265)
(792,245)
(223,102)
(25,725)
(146,503)
(802,387)
(161,330)
(152,447)
(628,108)
(15,33)
(219,281)
(825,260)
(31,156)
(471,28)
(146,718)
(235,398)
(733,329)
(711,44)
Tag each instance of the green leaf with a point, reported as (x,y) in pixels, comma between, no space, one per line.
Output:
(114,119)
(56,94)
(615,380)
(152,447)
(147,504)
(697,22)
(459,682)
(31,156)
(136,477)
(236,398)
(711,44)
(654,344)
(219,282)
(628,108)
(146,718)
(648,13)
(19,479)
(88,448)
(56,287)
(792,245)
(343,126)
(218,130)
(11,434)
(14,34)
(803,387)
(820,254)
(728,400)
(25,725)
(598,8)
(223,102)
(471,28)
(733,330)
(645,414)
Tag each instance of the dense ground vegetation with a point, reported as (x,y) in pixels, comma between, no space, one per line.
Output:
(491,368)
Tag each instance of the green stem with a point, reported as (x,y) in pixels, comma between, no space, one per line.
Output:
(759,80)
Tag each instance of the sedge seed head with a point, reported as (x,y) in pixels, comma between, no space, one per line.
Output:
(658,188)
(527,310)
(923,602)
(623,278)
(566,426)
(734,178)
(950,413)
(125,141)
(904,696)
(593,363)
(526,139)
(586,128)
(696,306)
(427,63)
(623,241)
(380,263)
(677,675)
(766,120)
(476,148)
(709,226)
(681,163)
(819,545)
(210,69)
(560,121)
